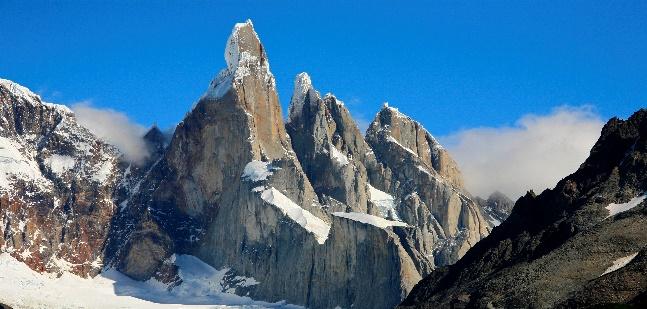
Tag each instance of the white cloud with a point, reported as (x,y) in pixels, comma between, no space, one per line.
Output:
(535,153)
(115,128)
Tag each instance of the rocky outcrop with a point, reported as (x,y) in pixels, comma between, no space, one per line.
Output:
(330,147)
(579,244)
(414,167)
(57,182)
(386,179)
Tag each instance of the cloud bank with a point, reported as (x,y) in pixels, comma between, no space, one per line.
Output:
(115,128)
(535,153)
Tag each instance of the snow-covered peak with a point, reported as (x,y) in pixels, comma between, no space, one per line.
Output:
(24,93)
(302,83)
(244,56)
(236,41)
(332,96)
(18,90)
(302,89)
(393,110)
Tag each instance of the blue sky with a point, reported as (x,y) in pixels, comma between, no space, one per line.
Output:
(452,65)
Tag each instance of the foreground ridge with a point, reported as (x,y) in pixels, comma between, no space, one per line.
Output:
(580,244)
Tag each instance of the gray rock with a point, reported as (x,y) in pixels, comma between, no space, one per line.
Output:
(415,168)
(230,190)
(330,148)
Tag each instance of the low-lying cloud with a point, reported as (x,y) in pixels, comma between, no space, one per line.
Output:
(115,128)
(535,153)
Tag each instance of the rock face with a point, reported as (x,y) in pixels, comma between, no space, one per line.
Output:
(387,178)
(330,147)
(57,182)
(310,211)
(579,244)
(416,169)
(231,190)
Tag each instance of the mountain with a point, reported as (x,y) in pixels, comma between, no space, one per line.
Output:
(308,211)
(496,207)
(56,185)
(581,244)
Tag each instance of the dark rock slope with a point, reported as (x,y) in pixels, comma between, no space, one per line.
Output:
(581,244)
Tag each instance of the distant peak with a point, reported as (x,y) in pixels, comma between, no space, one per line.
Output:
(302,83)
(392,110)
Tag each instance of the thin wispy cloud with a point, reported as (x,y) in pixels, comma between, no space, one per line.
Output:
(115,128)
(535,153)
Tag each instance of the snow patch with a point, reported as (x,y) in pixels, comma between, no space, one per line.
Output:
(494,221)
(258,170)
(393,140)
(384,202)
(199,278)
(338,156)
(21,287)
(301,216)
(104,171)
(59,164)
(16,163)
(369,219)
(620,263)
(615,209)
(18,90)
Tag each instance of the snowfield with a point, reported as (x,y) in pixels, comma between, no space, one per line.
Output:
(619,263)
(301,216)
(369,219)
(21,287)
(385,203)
(615,209)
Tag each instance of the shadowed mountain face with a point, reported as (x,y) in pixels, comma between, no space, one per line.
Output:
(308,211)
(581,244)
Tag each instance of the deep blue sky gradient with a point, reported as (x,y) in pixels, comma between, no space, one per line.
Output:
(450,64)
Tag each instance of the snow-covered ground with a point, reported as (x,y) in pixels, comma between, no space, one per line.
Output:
(21,287)
(620,263)
(369,219)
(385,203)
(301,216)
(615,209)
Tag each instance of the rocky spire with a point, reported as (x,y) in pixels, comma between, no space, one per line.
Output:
(329,146)
(413,137)
(414,167)
(245,57)
(303,93)
(247,83)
